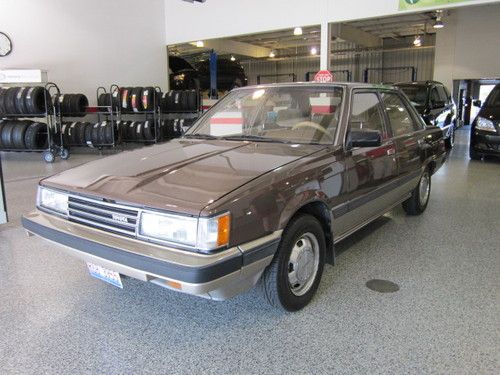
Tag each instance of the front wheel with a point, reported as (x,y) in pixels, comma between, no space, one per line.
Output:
(292,278)
(417,203)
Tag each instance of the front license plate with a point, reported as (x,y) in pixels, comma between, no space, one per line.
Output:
(104,274)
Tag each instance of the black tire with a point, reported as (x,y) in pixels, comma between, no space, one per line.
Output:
(104,100)
(3,91)
(72,136)
(80,133)
(2,124)
(148,131)
(10,100)
(64,154)
(18,134)
(115,99)
(34,100)
(36,137)
(95,137)
(130,131)
(193,100)
(125,95)
(20,100)
(88,134)
(138,131)
(136,99)
(109,134)
(473,154)
(148,95)
(6,135)
(275,281)
(415,205)
(102,133)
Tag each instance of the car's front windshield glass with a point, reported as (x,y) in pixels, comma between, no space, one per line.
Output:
(288,114)
(416,94)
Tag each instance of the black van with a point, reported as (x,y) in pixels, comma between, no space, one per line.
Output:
(434,103)
(485,130)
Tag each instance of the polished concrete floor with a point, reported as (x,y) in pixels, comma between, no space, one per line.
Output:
(55,318)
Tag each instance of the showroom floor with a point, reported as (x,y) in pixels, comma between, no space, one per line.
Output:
(55,318)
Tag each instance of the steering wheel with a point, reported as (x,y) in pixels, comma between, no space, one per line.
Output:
(315,126)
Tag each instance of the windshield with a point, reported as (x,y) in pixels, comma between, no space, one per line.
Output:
(493,100)
(416,94)
(287,114)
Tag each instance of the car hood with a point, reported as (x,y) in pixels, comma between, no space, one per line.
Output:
(181,175)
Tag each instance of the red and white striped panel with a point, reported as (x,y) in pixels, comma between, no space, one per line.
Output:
(226,123)
(207,103)
(324,104)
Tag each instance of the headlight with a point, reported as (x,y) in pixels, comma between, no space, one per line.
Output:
(204,234)
(485,124)
(52,200)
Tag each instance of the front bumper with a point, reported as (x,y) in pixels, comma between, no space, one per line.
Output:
(486,142)
(216,276)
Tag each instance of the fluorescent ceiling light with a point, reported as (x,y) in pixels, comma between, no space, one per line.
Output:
(418,41)
(314,51)
(200,44)
(297,31)
(272,54)
(233,58)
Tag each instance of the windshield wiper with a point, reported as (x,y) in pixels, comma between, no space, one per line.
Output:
(256,138)
(200,136)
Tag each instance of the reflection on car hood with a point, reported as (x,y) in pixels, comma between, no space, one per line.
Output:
(181,175)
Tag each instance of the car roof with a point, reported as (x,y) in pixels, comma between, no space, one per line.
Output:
(418,83)
(316,84)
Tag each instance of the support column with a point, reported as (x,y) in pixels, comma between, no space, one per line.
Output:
(167,63)
(326,37)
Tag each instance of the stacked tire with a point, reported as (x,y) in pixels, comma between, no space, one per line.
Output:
(73,105)
(23,135)
(180,101)
(138,131)
(25,100)
(110,99)
(174,128)
(138,99)
(88,134)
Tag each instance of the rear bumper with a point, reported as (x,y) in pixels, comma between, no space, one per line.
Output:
(216,276)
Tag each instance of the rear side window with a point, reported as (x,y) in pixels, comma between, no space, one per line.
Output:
(366,113)
(400,119)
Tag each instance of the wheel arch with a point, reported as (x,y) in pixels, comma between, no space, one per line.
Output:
(319,210)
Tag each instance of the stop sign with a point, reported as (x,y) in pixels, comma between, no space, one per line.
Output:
(323,76)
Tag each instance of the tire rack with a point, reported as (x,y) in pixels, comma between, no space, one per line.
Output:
(155,114)
(53,120)
(103,113)
(180,114)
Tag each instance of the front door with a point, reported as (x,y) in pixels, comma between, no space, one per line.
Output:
(369,169)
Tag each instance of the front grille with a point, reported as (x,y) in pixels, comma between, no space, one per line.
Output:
(102,215)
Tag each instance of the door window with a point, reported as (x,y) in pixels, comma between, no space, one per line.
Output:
(400,118)
(442,94)
(366,113)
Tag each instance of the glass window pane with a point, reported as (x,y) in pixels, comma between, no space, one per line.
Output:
(400,118)
(365,113)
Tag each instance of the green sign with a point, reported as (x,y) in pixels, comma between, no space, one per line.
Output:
(414,4)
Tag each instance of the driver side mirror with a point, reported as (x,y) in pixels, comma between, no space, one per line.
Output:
(364,138)
(477,103)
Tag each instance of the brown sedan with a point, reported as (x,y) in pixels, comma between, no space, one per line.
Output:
(260,188)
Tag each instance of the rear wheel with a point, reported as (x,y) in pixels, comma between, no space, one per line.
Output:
(419,199)
(292,278)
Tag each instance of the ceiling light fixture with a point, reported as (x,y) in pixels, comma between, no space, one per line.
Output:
(297,31)
(272,54)
(418,41)
(200,44)
(314,51)
(438,24)
(233,58)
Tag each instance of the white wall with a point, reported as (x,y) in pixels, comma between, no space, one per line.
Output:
(468,47)
(87,43)
(222,18)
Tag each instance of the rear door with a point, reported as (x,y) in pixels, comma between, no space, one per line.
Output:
(407,135)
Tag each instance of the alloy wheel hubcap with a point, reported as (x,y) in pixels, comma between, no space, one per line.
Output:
(303,264)
(424,189)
